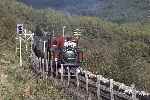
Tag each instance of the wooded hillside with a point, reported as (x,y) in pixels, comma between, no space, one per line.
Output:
(119,11)
(118,51)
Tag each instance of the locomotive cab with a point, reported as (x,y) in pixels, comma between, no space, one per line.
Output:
(70,52)
(66,51)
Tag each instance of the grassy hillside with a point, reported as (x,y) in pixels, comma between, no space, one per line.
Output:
(118,51)
(19,83)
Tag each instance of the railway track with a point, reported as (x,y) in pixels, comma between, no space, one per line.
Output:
(83,85)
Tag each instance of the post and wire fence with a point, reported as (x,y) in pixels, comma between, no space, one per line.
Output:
(59,71)
(44,67)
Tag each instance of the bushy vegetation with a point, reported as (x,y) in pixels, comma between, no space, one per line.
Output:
(118,51)
(19,83)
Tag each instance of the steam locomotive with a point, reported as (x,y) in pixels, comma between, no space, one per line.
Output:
(60,49)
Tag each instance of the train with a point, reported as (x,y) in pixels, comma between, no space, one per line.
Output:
(61,49)
(65,50)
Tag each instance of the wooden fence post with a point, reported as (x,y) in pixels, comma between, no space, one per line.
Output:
(111,89)
(89,97)
(86,77)
(47,68)
(99,77)
(47,56)
(77,78)
(133,92)
(68,75)
(36,64)
(44,60)
(62,72)
(46,65)
(40,64)
(56,63)
(43,70)
(44,48)
(51,66)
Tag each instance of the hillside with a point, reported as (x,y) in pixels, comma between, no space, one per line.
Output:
(19,83)
(118,51)
(114,10)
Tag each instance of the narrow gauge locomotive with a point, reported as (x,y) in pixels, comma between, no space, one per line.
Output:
(60,49)
(65,51)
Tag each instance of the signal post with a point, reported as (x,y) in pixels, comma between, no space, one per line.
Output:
(22,35)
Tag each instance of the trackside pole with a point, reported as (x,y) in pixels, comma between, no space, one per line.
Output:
(16,46)
(26,45)
(46,68)
(89,97)
(56,63)
(32,40)
(133,92)
(111,89)
(44,47)
(68,75)
(87,80)
(43,70)
(62,72)
(20,50)
(22,32)
(64,30)
(77,78)
(40,65)
(51,66)
(99,77)
(44,60)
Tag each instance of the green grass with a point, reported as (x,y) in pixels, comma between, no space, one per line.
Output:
(19,83)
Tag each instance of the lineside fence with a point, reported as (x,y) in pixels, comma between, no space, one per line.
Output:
(95,84)
(92,84)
